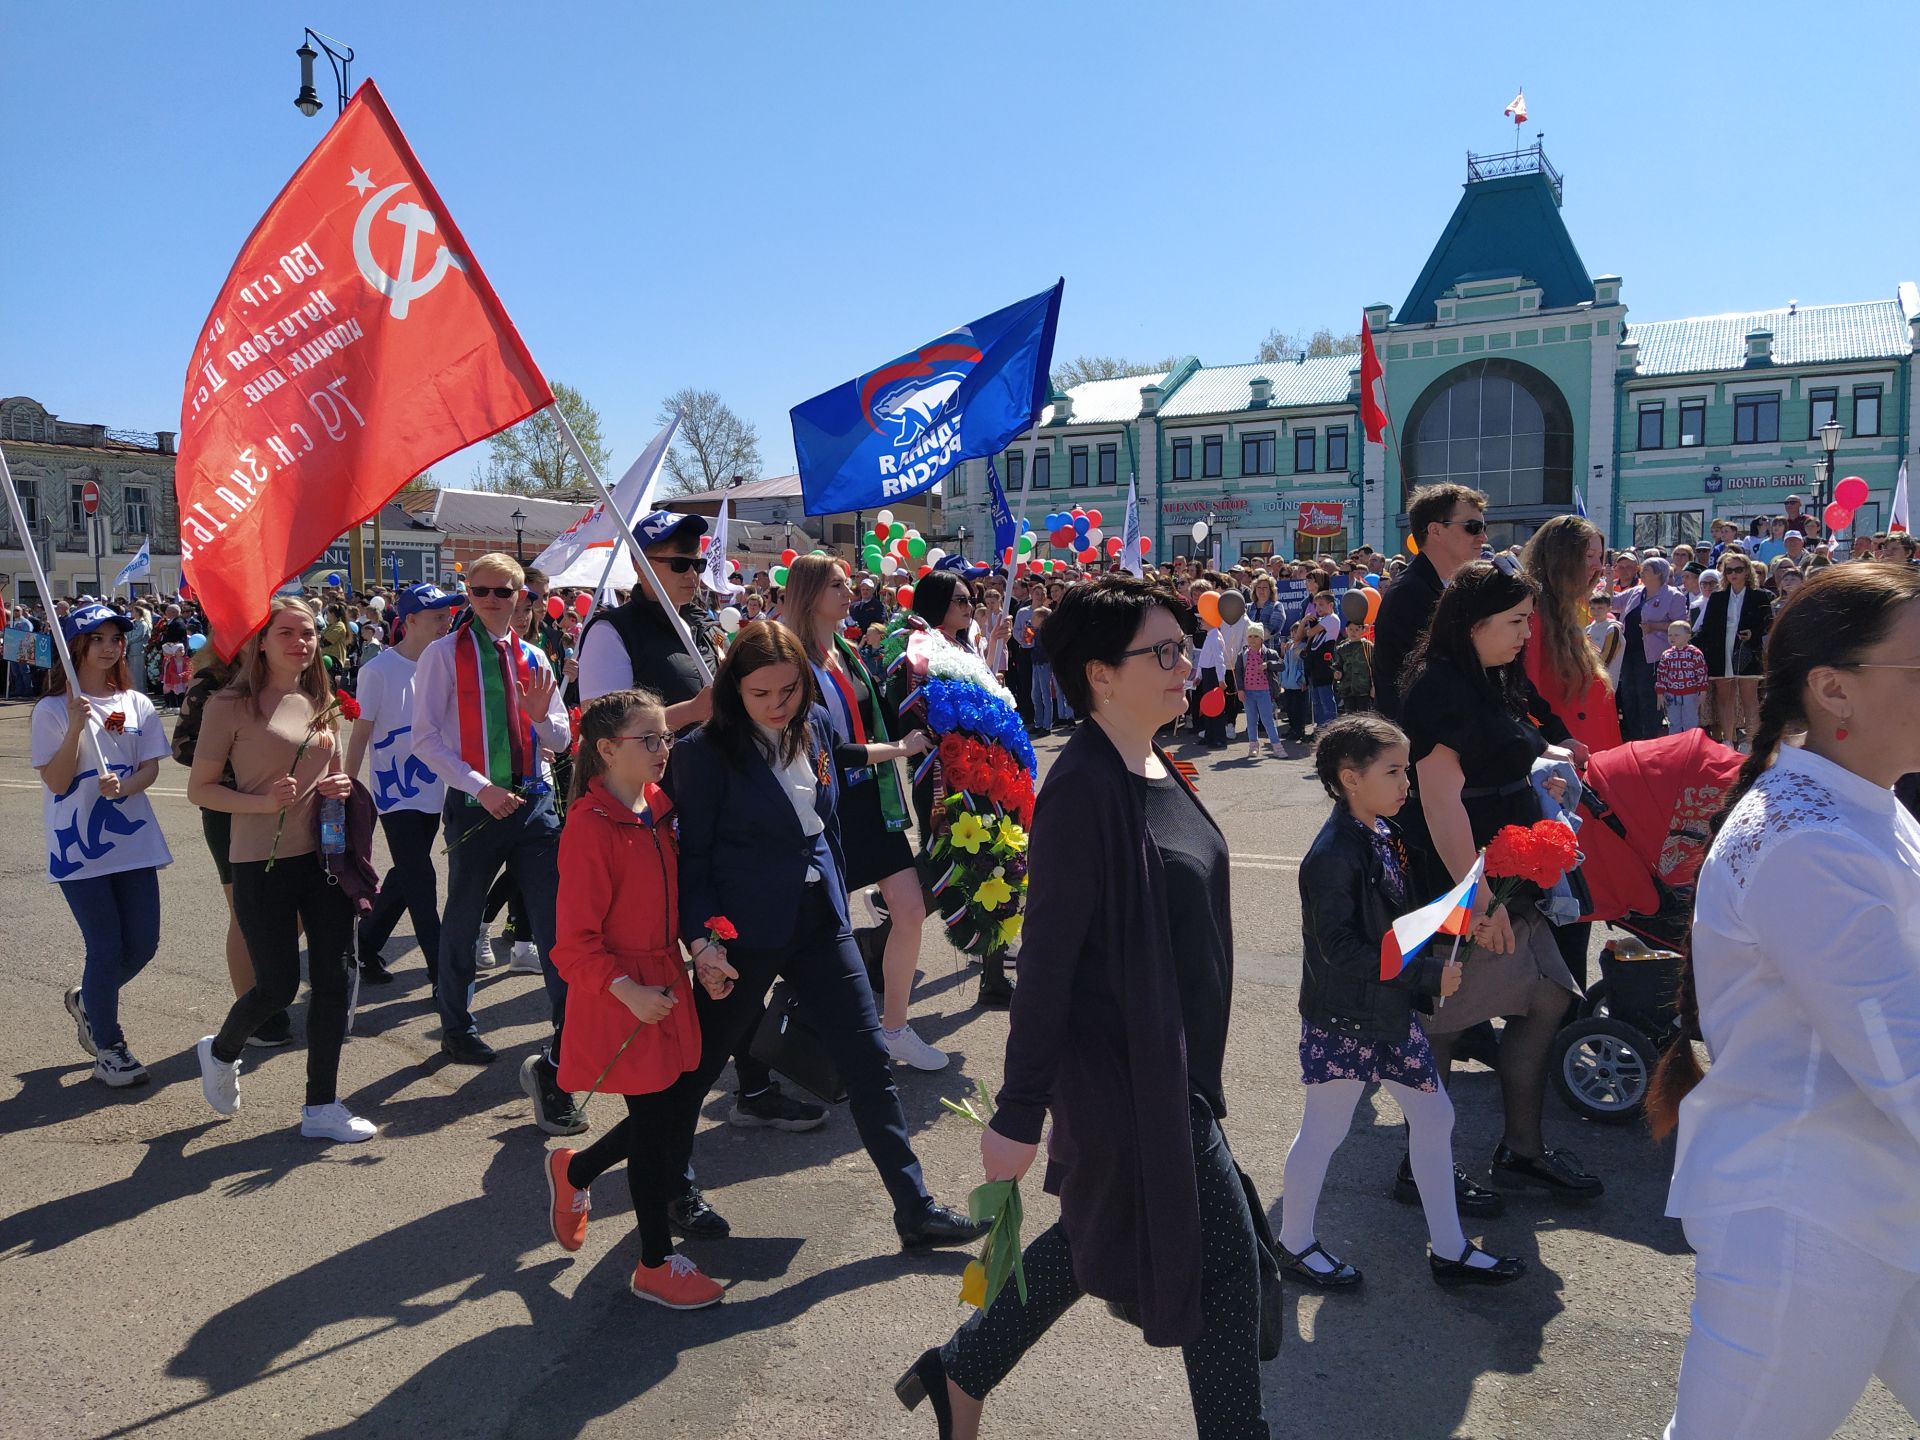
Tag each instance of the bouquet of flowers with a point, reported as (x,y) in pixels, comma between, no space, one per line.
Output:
(342,707)
(1539,854)
(997,1201)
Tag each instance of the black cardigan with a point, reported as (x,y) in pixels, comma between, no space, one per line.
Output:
(1756,614)
(1405,613)
(1344,914)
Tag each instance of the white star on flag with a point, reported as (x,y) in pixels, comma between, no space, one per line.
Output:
(360,181)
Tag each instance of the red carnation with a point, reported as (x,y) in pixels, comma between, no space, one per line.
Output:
(720,928)
(953,745)
(349,707)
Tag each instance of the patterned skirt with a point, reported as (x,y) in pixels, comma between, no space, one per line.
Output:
(1333,1055)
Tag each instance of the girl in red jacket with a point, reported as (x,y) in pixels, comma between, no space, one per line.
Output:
(630,1028)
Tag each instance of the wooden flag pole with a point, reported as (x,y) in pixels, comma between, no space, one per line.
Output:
(640,561)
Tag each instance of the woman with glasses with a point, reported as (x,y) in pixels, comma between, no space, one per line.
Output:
(1733,636)
(1120,1032)
(1799,1149)
(873,807)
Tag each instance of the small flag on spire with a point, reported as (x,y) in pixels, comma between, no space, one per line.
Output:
(1518,108)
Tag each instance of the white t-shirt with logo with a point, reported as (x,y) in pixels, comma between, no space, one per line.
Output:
(88,835)
(399,779)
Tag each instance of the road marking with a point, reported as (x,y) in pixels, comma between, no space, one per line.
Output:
(1266,862)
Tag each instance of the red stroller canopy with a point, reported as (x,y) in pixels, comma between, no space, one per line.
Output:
(1664,793)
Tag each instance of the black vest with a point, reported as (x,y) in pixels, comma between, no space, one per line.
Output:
(659,661)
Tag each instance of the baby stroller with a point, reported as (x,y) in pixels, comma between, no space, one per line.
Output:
(1643,835)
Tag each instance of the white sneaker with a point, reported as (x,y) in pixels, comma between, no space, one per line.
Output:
(907,1048)
(83,1031)
(483,956)
(219,1079)
(116,1066)
(876,907)
(1253,752)
(335,1122)
(524,959)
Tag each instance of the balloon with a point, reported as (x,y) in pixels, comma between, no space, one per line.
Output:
(1372,582)
(705,541)
(378,603)
(880,533)
(885,517)
(326,660)
(896,531)
(1006,556)
(729,619)
(583,605)
(1146,543)
(1413,546)
(1046,566)
(1838,518)
(1026,526)
(1113,545)
(556,607)
(1213,703)
(818,550)
(1233,607)
(733,567)
(1210,609)
(1093,518)
(904,595)
(1025,544)
(194,642)
(870,560)
(1080,526)
(1353,607)
(779,575)
(913,533)
(925,570)
(935,555)
(1062,537)
(333,579)
(917,548)
(1087,557)
(787,557)
(1199,531)
(1851,493)
(1095,534)
(458,567)
(1373,606)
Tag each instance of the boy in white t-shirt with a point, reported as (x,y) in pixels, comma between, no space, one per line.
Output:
(1606,636)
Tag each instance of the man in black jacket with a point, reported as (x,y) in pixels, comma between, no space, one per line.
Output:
(1448,523)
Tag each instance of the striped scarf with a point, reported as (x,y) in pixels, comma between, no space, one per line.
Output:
(496,736)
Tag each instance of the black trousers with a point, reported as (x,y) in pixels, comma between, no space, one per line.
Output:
(1293,706)
(272,906)
(1223,1366)
(823,966)
(645,1140)
(411,887)
(1019,673)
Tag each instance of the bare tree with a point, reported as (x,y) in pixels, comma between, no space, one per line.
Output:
(1082,368)
(1279,346)
(713,445)
(531,456)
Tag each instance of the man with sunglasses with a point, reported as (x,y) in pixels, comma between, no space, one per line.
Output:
(1449,523)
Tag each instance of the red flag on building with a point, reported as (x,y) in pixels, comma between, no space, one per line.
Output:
(1517,108)
(1373,387)
(355,343)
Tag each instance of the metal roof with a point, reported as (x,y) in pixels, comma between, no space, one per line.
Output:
(1505,226)
(1107,402)
(489,512)
(1867,330)
(1225,389)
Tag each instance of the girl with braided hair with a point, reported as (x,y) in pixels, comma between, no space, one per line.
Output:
(1798,1165)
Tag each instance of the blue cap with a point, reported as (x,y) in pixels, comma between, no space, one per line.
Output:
(416,598)
(660,526)
(85,619)
(960,566)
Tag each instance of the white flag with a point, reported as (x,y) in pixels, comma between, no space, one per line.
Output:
(581,554)
(1130,560)
(1897,519)
(142,564)
(718,576)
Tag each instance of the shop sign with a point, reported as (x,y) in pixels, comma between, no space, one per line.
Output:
(1716,482)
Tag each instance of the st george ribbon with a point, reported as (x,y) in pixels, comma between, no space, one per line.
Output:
(901,428)
(355,343)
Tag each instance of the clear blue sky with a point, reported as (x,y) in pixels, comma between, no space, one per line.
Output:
(765,199)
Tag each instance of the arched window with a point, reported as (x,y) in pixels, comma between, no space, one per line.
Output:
(1498,426)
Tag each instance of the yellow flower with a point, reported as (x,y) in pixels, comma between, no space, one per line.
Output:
(973,1284)
(1011,836)
(968,833)
(993,892)
(1010,929)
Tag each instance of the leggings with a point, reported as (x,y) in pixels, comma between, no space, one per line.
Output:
(1789,1322)
(645,1140)
(1223,1365)
(272,905)
(410,886)
(119,917)
(1329,1115)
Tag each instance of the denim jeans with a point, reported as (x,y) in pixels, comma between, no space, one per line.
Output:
(1260,716)
(1042,692)
(1324,707)
(119,918)
(527,843)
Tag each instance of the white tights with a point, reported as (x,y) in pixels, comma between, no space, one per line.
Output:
(1328,1118)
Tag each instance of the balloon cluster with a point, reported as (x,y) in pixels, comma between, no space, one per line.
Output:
(1076,531)
(895,548)
(1848,496)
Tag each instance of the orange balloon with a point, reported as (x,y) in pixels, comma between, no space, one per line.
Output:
(1373,604)
(1209,608)
(1413,546)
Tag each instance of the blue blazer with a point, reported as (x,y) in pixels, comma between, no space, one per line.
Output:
(742,851)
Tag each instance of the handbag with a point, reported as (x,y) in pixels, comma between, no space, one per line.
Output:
(352,869)
(788,1041)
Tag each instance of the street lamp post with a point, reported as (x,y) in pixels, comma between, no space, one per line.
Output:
(307,102)
(1829,443)
(519,518)
(962,532)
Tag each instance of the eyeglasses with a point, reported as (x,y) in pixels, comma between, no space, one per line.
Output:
(963,600)
(1873,665)
(1472,527)
(1734,570)
(655,743)
(681,564)
(498,592)
(1169,652)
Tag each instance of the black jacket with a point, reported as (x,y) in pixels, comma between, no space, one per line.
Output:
(1344,913)
(1405,613)
(659,661)
(1756,614)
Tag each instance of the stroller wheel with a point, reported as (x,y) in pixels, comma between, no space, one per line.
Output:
(1598,1000)
(1602,1068)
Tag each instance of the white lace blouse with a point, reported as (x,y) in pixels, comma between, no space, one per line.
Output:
(1806,953)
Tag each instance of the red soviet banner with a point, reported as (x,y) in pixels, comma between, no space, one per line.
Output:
(355,343)
(1322,518)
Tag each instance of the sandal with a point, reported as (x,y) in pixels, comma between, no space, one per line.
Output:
(1342,1277)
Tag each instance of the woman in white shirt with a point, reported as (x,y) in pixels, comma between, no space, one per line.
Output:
(1798,1168)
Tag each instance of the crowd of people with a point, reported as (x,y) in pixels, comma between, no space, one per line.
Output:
(682,799)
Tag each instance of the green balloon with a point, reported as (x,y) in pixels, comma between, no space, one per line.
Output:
(896,531)
(1026,544)
(917,548)
(870,558)
(779,575)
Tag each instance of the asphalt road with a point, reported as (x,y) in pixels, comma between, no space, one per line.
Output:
(166,1273)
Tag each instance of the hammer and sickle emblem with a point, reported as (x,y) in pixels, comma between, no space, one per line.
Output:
(414,220)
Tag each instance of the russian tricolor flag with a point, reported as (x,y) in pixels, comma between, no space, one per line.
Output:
(1451,914)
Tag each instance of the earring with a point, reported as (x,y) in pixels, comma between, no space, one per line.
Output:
(1841,733)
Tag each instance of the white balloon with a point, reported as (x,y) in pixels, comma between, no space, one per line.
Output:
(885,517)
(913,534)
(1095,536)
(935,556)
(729,619)
(1199,531)
(377,604)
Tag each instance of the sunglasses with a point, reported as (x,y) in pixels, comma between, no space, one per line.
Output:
(1168,652)
(681,564)
(655,743)
(498,592)
(1472,527)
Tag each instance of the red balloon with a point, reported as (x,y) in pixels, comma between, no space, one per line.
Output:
(1838,518)
(583,605)
(1006,556)
(1093,518)
(1850,493)
(1113,544)
(1062,538)
(925,570)
(556,607)
(1087,557)
(787,557)
(904,595)
(880,533)
(1146,543)
(1214,702)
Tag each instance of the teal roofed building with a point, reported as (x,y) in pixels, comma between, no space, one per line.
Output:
(1509,367)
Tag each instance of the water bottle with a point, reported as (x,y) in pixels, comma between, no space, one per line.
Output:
(333,825)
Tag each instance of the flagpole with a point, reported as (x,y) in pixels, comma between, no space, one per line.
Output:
(640,560)
(45,588)
(613,551)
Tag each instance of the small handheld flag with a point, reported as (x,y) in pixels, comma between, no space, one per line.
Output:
(1897,517)
(1451,914)
(1130,560)
(1579,503)
(1005,532)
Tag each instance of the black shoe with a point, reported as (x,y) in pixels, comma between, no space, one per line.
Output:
(1556,1173)
(996,991)
(694,1219)
(463,1047)
(927,1380)
(275,1031)
(1342,1277)
(1468,1198)
(374,971)
(554,1110)
(774,1109)
(1453,1274)
(940,1226)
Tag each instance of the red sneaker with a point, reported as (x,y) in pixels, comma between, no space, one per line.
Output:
(678,1285)
(567,1207)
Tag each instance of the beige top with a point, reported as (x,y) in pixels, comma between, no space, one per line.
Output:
(260,753)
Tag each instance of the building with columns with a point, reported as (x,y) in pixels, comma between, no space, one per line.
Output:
(1508,367)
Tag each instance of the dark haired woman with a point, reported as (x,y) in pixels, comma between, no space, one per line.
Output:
(1798,1164)
(757,788)
(1119,1029)
(1473,749)
(104,846)
(1733,637)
